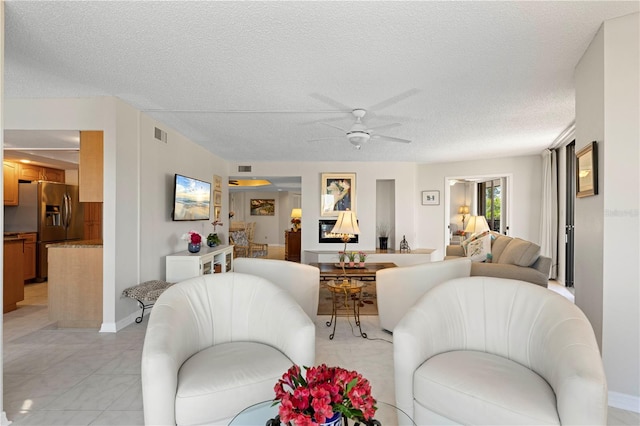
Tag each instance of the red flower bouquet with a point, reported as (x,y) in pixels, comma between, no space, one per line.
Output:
(314,398)
(193,237)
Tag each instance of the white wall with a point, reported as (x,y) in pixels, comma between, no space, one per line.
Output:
(367,175)
(526,193)
(138,172)
(160,235)
(608,224)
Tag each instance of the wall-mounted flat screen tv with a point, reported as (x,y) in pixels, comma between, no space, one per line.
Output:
(191,199)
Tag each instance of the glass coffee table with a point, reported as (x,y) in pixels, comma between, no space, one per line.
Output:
(259,414)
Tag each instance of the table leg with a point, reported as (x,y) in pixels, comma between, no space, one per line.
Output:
(356,313)
(334,314)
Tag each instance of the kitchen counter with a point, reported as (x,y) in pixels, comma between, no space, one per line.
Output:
(75,283)
(77,244)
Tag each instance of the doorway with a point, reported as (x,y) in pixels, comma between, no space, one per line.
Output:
(483,195)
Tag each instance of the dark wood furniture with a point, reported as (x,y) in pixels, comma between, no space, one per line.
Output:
(292,247)
(13,275)
(332,271)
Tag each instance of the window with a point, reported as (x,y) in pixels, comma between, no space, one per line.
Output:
(490,203)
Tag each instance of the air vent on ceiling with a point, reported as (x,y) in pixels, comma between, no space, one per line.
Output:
(161,135)
(244,168)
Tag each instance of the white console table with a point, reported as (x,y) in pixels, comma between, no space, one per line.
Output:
(401,259)
(208,260)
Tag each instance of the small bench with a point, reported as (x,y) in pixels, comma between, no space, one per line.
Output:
(146,294)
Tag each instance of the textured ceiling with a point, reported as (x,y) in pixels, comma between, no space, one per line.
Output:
(251,81)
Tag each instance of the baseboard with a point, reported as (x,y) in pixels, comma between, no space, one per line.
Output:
(624,401)
(124,322)
(4,421)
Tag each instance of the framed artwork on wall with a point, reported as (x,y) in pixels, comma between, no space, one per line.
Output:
(263,207)
(587,171)
(337,193)
(431,198)
(216,213)
(217,183)
(217,198)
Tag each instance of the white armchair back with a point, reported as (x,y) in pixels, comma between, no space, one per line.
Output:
(300,280)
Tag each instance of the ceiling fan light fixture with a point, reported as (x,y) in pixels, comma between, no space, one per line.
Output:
(358,137)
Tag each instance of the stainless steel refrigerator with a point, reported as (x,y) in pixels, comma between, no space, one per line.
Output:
(50,209)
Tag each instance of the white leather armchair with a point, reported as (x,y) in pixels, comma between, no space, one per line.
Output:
(399,288)
(484,350)
(301,281)
(216,344)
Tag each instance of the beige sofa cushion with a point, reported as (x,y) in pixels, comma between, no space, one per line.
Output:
(519,252)
(498,246)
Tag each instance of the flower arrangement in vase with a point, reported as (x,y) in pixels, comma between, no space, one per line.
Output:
(361,257)
(323,394)
(194,240)
(341,256)
(295,222)
(352,258)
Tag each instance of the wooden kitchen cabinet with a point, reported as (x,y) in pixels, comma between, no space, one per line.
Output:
(29,264)
(31,172)
(10,176)
(91,167)
(92,221)
(13,281)
(292,246)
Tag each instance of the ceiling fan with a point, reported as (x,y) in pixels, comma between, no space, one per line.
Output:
(360,134)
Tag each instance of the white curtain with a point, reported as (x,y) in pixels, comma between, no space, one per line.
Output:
(549,210)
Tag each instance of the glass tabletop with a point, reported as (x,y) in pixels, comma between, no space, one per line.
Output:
(259,414)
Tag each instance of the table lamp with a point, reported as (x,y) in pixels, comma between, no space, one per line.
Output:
(476,225)
(345,228)
(296,218)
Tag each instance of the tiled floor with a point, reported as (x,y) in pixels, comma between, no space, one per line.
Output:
(82,377)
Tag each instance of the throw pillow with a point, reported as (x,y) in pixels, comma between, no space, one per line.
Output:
(478,247)
(240,238)
(520,252)
(498,247)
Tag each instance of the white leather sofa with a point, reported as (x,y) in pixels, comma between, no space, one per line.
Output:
(218,343)
(399,288)
(300,280)
(495,351)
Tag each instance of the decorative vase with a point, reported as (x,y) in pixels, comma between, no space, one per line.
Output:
(362,264)
(211,243)
(194,248)
(383,242)
(336,420)
(351,264)
(342,263)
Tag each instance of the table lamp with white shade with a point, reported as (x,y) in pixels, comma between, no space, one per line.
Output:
(296,218)
(476,225)
(345,228)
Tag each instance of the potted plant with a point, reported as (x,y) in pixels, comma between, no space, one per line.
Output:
(323,396)
(352,258)
(213,240)
(341,256)
(361,257)
(383,235)
(193,239)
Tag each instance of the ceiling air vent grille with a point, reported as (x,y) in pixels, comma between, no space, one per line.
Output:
(244,168)
(161,135)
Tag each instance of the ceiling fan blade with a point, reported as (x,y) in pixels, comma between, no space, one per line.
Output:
(394,99)
(385,126)
(335,138)
(327,100)
(390,138)
(335,127)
